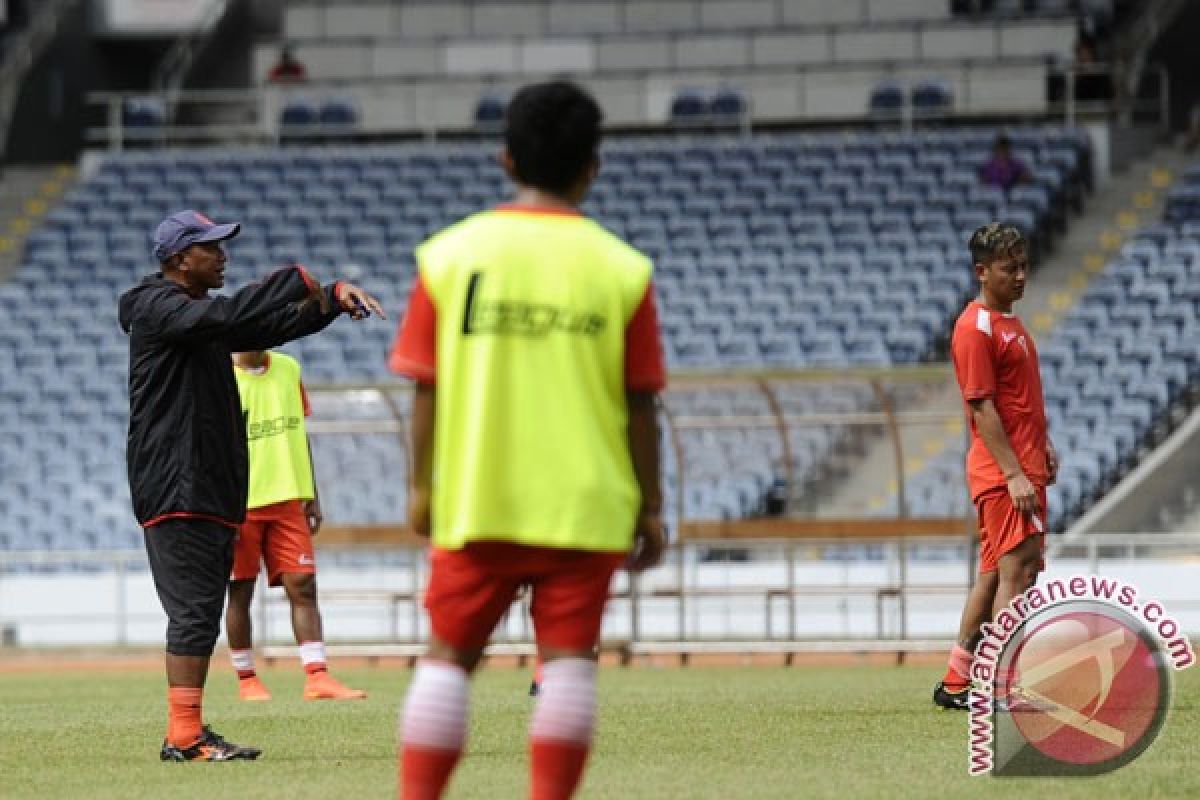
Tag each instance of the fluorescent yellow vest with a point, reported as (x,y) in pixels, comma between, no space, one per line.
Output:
(530,440)
(276,441)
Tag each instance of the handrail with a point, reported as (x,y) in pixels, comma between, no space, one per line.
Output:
(19,55)
(417,96)
(173,68)
(882,591)
(1133,43)
(887,420)
(1071,106)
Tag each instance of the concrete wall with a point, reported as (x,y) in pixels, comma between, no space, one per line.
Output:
(84,609)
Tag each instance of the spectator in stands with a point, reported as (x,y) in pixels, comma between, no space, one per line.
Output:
(1004,169)
(533,339)
(1093,83)
(186,446)
(282,517)
(287,69)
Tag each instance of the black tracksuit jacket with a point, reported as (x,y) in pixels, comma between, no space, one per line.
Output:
(186,451)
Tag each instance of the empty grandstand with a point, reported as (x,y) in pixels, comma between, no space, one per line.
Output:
(774,251)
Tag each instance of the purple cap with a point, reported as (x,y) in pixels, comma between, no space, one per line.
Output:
(186,228)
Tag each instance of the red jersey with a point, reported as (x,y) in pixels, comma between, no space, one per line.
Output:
(994,356)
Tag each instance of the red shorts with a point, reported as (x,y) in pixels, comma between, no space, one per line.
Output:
(1002,527)
(471,589)
(278,535)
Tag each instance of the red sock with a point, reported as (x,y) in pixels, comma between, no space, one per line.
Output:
(246,673)
(958,670)
(425,771)
(557,766)
(185,718)
(315,667)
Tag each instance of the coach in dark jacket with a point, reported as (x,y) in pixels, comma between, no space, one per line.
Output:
(186,452)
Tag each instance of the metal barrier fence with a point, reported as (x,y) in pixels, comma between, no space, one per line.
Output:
(900,594)
(785,594)
(816,444)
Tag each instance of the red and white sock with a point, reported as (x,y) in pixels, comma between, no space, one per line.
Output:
(243,662)
(312,655)
(958,670)
(433,729)
(560,735)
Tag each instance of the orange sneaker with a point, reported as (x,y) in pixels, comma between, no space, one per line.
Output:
(323,686)
(252,690)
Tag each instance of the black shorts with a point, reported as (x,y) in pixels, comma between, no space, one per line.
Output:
(190,560)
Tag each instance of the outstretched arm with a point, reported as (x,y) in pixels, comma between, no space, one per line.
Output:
(172,314)
(313,314)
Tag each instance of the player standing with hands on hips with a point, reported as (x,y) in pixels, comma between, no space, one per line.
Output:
(1011,460)
(533,339)
(283,515)
(186,450)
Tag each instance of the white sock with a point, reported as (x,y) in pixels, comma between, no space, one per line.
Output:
(435,711)
(243,660)
(566,704)
(312,653)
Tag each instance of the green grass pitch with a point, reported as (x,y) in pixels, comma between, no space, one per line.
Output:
(695,733)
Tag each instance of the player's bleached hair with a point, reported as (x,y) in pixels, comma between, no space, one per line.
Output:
(993,240)
(552,131)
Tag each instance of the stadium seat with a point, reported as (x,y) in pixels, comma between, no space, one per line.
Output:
(887,101)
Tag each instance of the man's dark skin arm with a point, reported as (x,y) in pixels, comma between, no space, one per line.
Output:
(424,405)
(312,508)
(643,435)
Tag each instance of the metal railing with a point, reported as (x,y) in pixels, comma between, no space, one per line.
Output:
(414,103)
(790,596)
(864,415)
(1149,101)
(172,69)
(771,599)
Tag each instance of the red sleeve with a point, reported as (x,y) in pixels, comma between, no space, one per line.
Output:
(304,400)
(975,364)
(414,354)
(644,368)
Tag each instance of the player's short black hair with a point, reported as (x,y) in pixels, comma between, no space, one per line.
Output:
(552,131)
(993,240)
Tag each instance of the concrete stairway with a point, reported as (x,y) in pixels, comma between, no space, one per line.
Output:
(26,194)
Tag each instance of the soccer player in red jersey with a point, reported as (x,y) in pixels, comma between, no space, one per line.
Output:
(1011,460)
(533,338)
